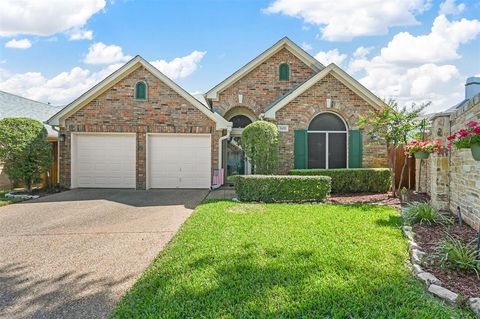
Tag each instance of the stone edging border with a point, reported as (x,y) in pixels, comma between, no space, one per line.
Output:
(434,285)
(22,196)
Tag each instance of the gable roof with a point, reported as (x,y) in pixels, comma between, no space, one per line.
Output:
(340,75)
(283,43)
(59,118)
(12,105)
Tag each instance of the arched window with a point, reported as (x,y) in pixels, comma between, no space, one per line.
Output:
(327,142)
(240,121)
(284,72)
(141,90)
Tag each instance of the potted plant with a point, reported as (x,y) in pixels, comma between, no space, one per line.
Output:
(467,138)
(422,150)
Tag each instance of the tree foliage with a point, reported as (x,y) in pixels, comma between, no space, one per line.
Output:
(24,150)
(393,126)
(260,143)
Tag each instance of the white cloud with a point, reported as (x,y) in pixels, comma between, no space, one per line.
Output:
(18,44)
(45,17)
(182,67)
(362,52)
(416,68)
(80,34)
(345,19)
(439,45)
(450,7)
(100,53)
(64,87)
(331,56)
(306,46)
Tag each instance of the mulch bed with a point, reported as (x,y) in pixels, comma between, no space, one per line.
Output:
(361,198)
(429,238)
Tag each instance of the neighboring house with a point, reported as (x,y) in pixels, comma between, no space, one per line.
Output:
(139,129)
(16,106)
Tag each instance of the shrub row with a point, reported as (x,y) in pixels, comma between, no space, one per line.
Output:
(352,180)
(276,188)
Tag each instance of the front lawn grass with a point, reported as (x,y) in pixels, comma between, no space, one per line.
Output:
(234,260)
(5,201)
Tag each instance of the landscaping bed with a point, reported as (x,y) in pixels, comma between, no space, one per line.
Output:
(430,237)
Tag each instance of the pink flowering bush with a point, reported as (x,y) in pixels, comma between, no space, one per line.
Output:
(418,146)
(465,138)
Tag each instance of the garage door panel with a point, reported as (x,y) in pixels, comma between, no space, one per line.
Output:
(105,161)
(179,161)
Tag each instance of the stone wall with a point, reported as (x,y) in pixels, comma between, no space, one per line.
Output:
(454,177)
(464,170)
(116,110)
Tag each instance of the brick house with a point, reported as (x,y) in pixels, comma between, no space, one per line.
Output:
(139,129)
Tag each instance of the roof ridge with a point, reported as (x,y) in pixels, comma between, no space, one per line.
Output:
(31,100)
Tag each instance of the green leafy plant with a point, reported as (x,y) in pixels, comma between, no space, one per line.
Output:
(260,143)
(281,188)
(393,126)
(24,150)
(352,180)
(455,254)
(423,213)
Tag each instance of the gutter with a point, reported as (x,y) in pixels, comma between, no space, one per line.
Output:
(220,157)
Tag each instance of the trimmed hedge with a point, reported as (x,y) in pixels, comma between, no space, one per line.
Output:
(352,180)
(281,188)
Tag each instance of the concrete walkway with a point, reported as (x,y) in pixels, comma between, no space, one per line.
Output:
(74,254)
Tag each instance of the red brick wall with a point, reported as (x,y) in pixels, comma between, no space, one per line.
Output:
(261,86)
(346,103)
(116,110)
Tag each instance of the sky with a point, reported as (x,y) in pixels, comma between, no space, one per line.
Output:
(412,50)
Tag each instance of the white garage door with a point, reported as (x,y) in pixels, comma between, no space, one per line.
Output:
(179,161)
(104,161)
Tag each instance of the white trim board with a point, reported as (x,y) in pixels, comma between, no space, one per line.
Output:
(283,43)
(340,75)
(59,118)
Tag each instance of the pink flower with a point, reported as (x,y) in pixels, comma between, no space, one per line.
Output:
(472,124)
(452,137)
(476,130)
(463,133)
(449,145)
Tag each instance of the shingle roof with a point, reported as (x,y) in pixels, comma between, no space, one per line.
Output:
(12,105)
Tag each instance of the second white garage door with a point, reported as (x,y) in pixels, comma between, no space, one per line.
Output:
(179,161)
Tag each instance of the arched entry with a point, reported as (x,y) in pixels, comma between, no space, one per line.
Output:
(327,141)
(236,163)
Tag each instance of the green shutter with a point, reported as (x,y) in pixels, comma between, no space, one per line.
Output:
(355,149)
(300,149)
(140,91)
(284,72)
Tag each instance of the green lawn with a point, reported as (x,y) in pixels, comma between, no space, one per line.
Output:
(5,201)
(284,261)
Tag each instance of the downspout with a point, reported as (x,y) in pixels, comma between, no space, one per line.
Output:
(56,129)
(220,157)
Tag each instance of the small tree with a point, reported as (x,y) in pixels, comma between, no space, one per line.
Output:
(393,126)
(24,150)
(260,143)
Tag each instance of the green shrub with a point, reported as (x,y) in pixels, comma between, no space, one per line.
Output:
(353,180)
(423,213)
(260,143)
(276,188)
(457,255)
(24,150)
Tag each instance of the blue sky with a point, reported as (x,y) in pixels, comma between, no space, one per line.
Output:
(412,50)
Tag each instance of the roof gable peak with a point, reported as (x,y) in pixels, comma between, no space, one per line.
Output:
(284,42)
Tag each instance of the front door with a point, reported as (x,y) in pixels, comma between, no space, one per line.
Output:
(236,161)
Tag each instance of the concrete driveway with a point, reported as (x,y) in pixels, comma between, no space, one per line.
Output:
(74,254)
